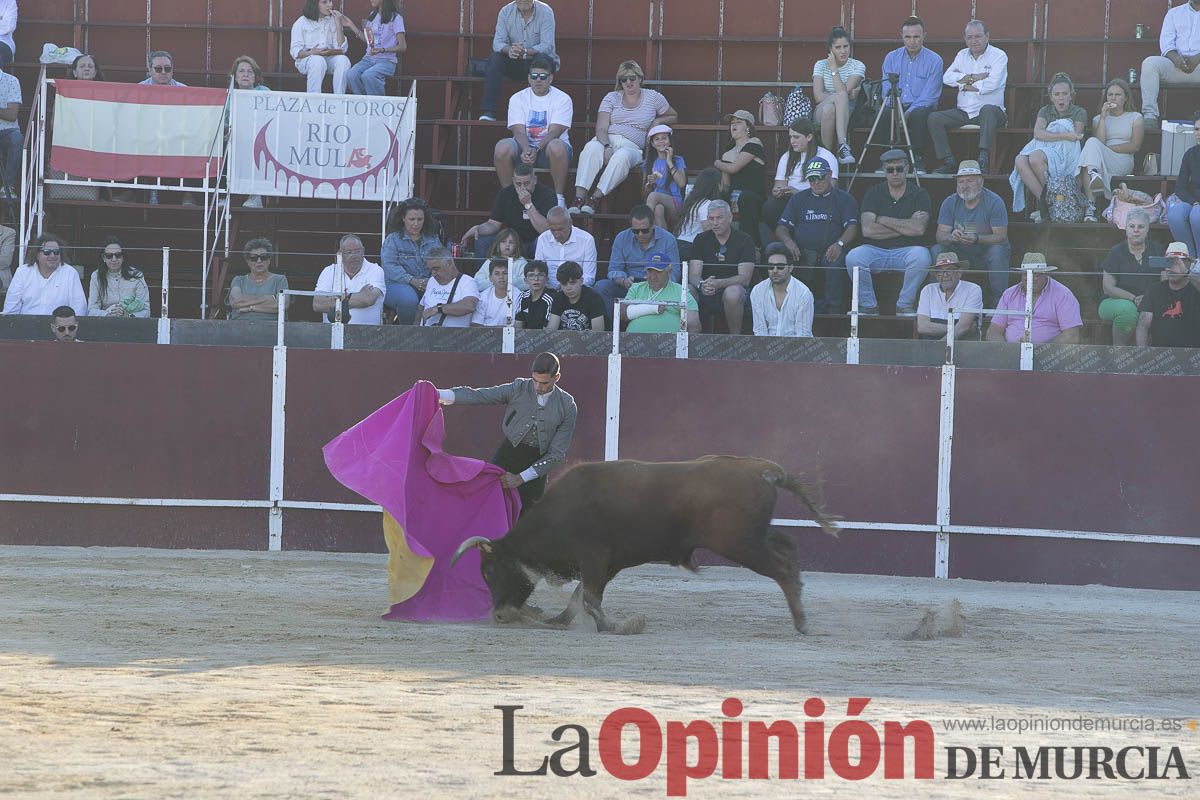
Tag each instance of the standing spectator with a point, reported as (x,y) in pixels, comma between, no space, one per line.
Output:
(1127,274)
(256,295)
(632,249)
(524,30)
(660,311)
(449,301)
(360,282)
(539,117)
(1117,134)
(980,72)
(693,217)
(45,281)
(666,177)
(895,215)
(1169,314)
(493,310)
(383,33)
(117,288)
(522,207)
(507,245)
(411,237)
(836,79)
(85,67)
(1055,310)
(534,312)
(816,227)
(743,170)
(564,242)
(1055,148)
(1183,210)
(789,173)
(973,223)
(625,116)
(246,74)
(781,305)
(920,70)
(160,70)
(949,292)
(8,25)
(63,324)
(575,307)
(319,45)
(11,140)
(1179,43)
(721,267)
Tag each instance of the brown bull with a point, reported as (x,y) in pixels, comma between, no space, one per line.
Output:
(600,518)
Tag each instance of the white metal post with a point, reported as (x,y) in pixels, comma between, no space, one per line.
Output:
(164,319)
(852,342)
(612,411)
(337,334)
(941,555)
(952,323)
(278,407)
(681,336)
(616,351)
(509,342)
(1027,339)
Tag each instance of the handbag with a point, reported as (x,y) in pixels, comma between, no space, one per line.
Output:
(770,110)
(798,106)
(1125,200)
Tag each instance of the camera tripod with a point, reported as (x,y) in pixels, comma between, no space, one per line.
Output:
(891,104)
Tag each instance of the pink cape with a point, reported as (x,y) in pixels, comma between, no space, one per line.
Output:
(394,458)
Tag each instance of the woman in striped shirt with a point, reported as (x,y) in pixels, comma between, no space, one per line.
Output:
(836,79)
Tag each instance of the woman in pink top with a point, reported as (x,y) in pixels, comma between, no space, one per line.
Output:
(383,33)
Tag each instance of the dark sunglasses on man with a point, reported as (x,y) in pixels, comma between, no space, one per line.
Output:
(159,68)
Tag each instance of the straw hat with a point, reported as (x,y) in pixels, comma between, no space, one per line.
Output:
(968,168)
(948,258)
(1179,250)
(1035,262)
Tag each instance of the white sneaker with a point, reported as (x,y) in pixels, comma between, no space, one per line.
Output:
(486,118)
(1035,216)
(844,156)
(253,201)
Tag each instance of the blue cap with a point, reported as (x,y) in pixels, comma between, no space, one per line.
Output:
(658,261)
(816,167)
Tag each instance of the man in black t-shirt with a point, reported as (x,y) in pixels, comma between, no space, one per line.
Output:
(575,307)
(721,266)
(534,311)
(816,227)
(522,206)
(1169,315)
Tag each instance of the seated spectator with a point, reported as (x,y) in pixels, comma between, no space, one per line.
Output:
(8,248)
(256,295)
(117,288)
(411,237)
(383,33)
(319,45)
(160,70)
(660,312)
(540,120)
(449,301)
(1127,275)
(781,305)
(493,310)
(8,25)
(1183,210)
(836,79)
(534,312)
(1169,313)
(721,267)
(11,140)
(973,223)
(63,324)
(1054,150)
(575,307)
(522,207)
(1055,310)
(45,281)
(85,67)
(980,72)
(1179,45)
(743,171)
(360,283)
(564,242)
(895,215)
(247,75)
(632,249)
(1117,135)
(507,245)
(789,173)
(624,119)
(666,177)
(949,292)
(920,83)
(816,226)
(524,30)
(693,217)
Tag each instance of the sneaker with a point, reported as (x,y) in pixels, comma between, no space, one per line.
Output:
(1035,216)
(574,211)
(844,156)
(586,210)
(253,201)
(1149,121)
(905,311)
(1089,213)
(486,118)
(947,168)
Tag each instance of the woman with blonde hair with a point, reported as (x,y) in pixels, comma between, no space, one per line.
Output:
(1117,133)
(1054,149)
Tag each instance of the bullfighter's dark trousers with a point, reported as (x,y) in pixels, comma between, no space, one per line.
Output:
(516,459)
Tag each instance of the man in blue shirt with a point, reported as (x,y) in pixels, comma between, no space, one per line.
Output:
(631,250)
(816,227)
(973,223)
(920,70)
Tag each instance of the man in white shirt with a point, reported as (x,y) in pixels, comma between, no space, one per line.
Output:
(8,24)
(781,305)
(980,72)
(360,282)
(493,310)
(450,297)
(539,118)
(950,291)
(564,242)
(46,282)
(1179,43)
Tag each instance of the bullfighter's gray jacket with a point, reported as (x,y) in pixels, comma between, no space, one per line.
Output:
(555,422)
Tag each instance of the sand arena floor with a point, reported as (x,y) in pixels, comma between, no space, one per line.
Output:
(149,673)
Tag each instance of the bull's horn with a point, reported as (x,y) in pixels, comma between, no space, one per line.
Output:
(475,541)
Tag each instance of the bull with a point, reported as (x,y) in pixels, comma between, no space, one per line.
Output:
(600,518)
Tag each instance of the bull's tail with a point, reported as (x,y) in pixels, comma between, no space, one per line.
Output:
(810,496)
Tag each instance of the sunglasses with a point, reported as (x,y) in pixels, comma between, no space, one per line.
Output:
(65,328)
(629,78)
(721,253)
(118,254)
(539,76)
(48,252)
(894,170)
(259,257)
(778,266)
(642,231)
(161,69)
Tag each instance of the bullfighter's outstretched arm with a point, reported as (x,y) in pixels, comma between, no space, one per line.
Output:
(467,396)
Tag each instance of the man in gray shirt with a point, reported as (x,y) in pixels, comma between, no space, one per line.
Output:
(539,422)
(524,29)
